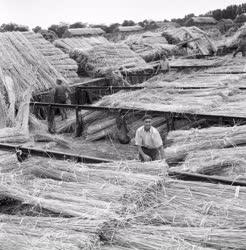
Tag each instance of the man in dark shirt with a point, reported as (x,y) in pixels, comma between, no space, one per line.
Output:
(60,96)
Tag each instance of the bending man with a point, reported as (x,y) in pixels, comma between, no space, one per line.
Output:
(149,142)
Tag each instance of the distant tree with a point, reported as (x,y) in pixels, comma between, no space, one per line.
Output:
(37,29)
(77,25)
(113,27)
(181,21)
(13,27)
(128,23)
(59,29)
(148,24)
(230,12)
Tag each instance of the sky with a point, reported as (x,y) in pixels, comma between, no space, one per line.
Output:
(47,12)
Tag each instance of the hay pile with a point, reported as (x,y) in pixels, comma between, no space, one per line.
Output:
(25,64)
(203,45)
(59,60)
(105,58)
(151,46)
(184,142)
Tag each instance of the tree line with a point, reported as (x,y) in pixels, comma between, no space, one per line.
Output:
(57,30)
(230,12)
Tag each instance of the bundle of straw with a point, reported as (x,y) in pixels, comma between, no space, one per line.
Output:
(187,141)
(228,162)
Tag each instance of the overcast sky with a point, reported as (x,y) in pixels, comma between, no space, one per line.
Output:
(47,12)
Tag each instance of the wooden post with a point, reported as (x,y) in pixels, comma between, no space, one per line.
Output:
(79,127)
(51,120)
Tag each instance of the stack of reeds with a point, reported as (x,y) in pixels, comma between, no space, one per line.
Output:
(58,59)
(19,132)
(103,58)
(164,237)
(202,45)
(229,162)
(151,46)
(46,233)
(175,100)
(183,142)
(83,43)
(25,64)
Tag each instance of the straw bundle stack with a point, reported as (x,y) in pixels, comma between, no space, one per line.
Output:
(20,131)
(229,162)
(232,41)
(190,204)
(164,237)
(109,57)
(48,233)
(151,46)
(24,64)
(203,45)
(83,43)
(187,141)
(173,100)
(59,60)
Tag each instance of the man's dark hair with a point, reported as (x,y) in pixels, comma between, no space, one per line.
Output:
(147,117)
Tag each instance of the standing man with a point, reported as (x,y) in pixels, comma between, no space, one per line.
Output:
(60,96)
(148,141)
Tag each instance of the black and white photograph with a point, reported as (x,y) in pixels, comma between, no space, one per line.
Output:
(122,125)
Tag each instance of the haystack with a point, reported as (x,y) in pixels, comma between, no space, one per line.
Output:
(203,45)
(59,60)
(151,46)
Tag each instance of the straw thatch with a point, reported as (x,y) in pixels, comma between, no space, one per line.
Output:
(25,64)
(61,62)
(151,46)
(203,45)
(80,32)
